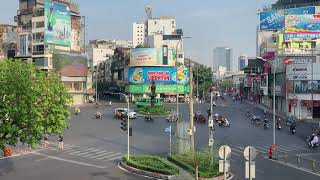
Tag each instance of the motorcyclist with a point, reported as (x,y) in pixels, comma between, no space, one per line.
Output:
(279,123)
(98,114)
(293,126)
(314,140)
(265,121)
(110,103)
(77,110)
(265,113)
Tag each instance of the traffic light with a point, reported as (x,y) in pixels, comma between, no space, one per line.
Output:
(123,123)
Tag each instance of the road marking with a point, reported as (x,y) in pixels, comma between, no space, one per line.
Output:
(82,150)
(88,152)
(96,153)
(101,155)
(299,147)
(67,160)
(76,149)
(308,154)
(114,158)
(293,166)
(111,155)
(41,159)
(283,149)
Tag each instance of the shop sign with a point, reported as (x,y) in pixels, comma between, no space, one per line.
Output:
(145,88)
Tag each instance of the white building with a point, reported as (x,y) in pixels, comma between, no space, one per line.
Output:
(138,33)
(163,25)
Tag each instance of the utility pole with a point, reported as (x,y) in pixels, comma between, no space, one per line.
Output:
(192,132)
(198,82)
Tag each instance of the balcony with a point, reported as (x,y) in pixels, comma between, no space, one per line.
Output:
(38,53)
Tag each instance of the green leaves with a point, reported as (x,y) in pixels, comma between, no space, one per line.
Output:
(31,103)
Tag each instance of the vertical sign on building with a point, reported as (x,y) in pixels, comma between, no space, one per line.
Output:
(165,55)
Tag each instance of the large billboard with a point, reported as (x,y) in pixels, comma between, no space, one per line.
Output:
(152,57)
(302,26)
(57,24)
(273,20)
(160,75)
(146,88)
(70,65)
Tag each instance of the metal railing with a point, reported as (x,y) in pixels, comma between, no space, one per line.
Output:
(298,160)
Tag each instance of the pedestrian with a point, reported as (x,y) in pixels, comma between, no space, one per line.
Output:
(60,142)
(46,143)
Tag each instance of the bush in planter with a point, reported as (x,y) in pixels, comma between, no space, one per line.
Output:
(152,164)
(202,158)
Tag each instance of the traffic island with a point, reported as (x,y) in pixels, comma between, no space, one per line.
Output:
(149,166)
(206,169)
(154,110)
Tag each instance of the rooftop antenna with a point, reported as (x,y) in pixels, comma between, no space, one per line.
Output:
(148,11)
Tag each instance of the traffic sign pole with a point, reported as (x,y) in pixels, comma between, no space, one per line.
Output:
(170,142)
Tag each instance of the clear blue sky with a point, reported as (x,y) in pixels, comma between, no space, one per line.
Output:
(211,23)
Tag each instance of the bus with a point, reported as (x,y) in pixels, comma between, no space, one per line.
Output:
(141,102)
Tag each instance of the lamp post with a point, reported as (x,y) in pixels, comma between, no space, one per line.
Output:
(275,67)
(128,122)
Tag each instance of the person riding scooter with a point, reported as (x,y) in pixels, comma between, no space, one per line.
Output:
(265,123)
(77,110)
(279,123)
(314,140)
(293,128)
(148,118)
(98,115)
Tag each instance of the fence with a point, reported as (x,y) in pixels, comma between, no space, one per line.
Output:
(298,161)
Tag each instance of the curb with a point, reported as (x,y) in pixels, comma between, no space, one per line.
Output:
(146,174)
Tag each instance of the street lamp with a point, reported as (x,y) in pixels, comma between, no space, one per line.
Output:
(177,91)
(275,67)
(128,120)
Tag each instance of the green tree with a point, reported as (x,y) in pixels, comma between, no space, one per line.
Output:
(32,103)
(204,73)
(227,83)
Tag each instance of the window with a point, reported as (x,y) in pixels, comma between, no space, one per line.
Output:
(180,55)
(77,86)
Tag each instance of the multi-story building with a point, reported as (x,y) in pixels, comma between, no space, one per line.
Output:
(286,4)
(138,33)
(48,33)
(222,56)
(8,34)
(296,90)
(243,62)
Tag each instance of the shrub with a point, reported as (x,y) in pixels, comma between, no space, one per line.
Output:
(152,164)
(154,110)
(186,161)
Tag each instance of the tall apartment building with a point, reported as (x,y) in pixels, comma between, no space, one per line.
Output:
(243,62)
(286,4)
(138,33)
(8,34)
(48,34)
(222,57)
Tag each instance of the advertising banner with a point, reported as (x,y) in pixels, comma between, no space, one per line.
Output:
(302,26)
(57,24)
(160,75)
(70,65)
(273,20)
(152,57)
(299,71)
(144,88)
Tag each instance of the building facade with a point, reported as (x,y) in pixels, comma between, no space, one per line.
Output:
(243,62)
(48,34)
(8,34)
(138,33)
(222,56)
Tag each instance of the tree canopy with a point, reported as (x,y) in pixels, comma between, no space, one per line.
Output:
(32,103)
(205,77)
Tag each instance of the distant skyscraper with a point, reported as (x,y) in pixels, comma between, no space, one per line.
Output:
(243,62)
(222,56)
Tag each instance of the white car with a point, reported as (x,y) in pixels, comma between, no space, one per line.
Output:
(132,114)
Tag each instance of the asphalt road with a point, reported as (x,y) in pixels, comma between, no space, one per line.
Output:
(94,147)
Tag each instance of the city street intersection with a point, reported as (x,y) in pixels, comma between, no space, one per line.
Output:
(93,147)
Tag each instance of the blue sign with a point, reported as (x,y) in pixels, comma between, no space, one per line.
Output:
(160,75)
(273,20)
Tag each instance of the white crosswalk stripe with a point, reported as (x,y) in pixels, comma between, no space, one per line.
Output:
(109,156)
(85,152)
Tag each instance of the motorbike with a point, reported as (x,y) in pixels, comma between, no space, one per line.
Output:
(308,140)
(290,120)
(293,129)
(248,114)
(279,126)
(224,123)
(98,115)
(148,118)
(255,119)
(77,112)
(265,124)
(172,118)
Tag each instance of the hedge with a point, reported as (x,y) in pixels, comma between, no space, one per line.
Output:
(205,174)
(154,110)
(152,164)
